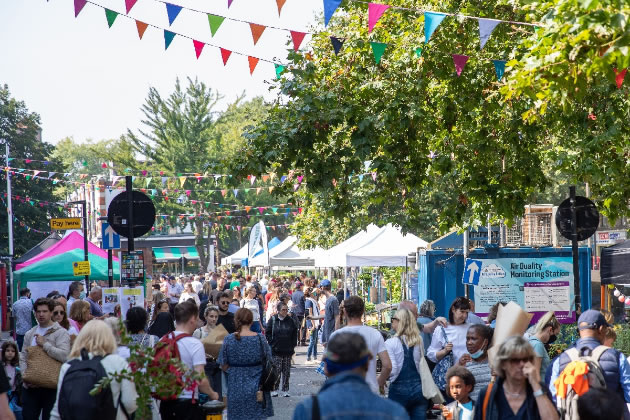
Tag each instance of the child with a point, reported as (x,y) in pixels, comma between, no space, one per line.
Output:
(460,383)
(11,362)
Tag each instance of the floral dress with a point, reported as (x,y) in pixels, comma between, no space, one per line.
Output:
(243,358)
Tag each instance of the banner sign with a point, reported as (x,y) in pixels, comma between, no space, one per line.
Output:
(110,299)
(537,285)
(130,297)
(257,241)
(610,238)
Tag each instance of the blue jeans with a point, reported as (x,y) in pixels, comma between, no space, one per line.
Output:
(409,395)
(312,344)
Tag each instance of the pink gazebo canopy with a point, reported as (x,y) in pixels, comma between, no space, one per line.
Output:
(73,240)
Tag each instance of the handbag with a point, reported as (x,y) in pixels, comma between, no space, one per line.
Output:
(439,372)
(269,374)
(41,369)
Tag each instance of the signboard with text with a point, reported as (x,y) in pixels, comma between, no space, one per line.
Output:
(131,267)
(65,223)
(81,268)
(538,285)
(610,238)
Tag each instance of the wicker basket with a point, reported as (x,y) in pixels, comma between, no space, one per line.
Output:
(41,369)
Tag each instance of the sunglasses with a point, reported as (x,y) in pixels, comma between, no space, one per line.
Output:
(59,313)
(517,360)
(394,319)
(224,303)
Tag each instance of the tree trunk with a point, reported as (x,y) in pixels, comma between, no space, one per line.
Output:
(200,246)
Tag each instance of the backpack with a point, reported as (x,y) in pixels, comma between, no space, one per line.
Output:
(75,401)
(582,373)
(166,349)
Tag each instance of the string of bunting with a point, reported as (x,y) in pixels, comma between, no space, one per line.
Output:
(619,295)
(22,224)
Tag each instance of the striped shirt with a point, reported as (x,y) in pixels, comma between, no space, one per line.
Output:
(481,372)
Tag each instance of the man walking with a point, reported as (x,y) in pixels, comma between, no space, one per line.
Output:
(22,310)
(331,312)
(75,292)
(226,318)
(298,310)
(55,342)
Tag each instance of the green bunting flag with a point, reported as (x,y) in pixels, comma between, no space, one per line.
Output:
(378,48)
(499,68)
(111,17)
(418,52)
(215,22)
(279,69)
(168,38)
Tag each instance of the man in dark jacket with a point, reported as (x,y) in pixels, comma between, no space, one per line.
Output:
(282,335)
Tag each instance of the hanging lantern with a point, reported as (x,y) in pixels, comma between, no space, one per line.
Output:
(611,286)
(622,298)
(628,301)
(616,293)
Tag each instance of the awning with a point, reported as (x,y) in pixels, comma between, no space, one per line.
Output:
(174,253)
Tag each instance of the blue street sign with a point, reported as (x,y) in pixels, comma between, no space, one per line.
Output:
(472,271)
(111,240)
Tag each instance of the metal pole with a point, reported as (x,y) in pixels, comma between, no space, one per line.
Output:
(129,187)
(574,248)
(10,222)
(465,252)
(489,231)
(85,239)
(110,268)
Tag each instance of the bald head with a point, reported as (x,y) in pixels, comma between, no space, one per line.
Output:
(409,305)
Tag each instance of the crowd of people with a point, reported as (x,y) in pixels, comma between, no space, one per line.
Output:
(425,362)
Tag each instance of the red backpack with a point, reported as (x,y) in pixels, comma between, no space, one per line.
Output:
(165,350)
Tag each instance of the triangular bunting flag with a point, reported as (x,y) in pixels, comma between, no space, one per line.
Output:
(486,26)
(168,38)
(230,3)
(257,31)
(198,47)
(337,44)
(499,68)
(619,76)
(431,21)
(378,48)
(225,54)
(141,28)
(297,38)
(329,9)
(460,63)
(129,4)
(78,6)
(280,4)
(375,11)
(418,52)
(172,10)
(111,17)
(215,22)
(279,69)
(252,63)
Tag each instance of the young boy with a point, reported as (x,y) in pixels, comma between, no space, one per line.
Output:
(460,383)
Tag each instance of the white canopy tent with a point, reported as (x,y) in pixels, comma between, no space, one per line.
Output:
(388,248)
(261,259)
(236,258)
(293,256)
(336,256)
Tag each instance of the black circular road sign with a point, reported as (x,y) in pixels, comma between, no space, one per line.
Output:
(587,218)
(143,214)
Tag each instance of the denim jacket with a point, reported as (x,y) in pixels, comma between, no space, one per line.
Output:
(343,397)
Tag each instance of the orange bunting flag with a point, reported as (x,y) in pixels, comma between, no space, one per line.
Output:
(141,28)
(297,38)
(225,54)
(265,178)
(252,63)
(198,47)
(248,208)
(619,76)
(257,31)
(271,190)
(280,4)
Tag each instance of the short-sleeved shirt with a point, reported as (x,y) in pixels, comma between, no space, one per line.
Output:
(330,313)
(539,349)
(298,302)
(22,310)
(483,374)
(191,353)
(375,344)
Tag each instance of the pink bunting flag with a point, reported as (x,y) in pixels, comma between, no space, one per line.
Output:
(460,63)
(619,76)
(230,3)
(261,210)
(375,11)
(129,4)
(300,178)
(297,38)
(78,6)
(225,54)
(198,47)
(374,176)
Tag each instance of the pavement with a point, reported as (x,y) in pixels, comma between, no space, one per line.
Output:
(303,383)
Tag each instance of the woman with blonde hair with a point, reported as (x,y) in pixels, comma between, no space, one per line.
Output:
(250,302)
(79,314)
(545,332)
(96,340)
(411,383)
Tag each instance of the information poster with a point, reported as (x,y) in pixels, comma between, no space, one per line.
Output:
(132,268)
(538,285)
(130,297)
(110,299)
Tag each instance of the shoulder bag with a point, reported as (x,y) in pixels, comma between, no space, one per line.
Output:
(269,374)
(41,369)
(439,372)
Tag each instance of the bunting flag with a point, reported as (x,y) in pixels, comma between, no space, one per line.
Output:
(280,4)
(279,69)
(111,17)
(215,22)
(78,6)
(225,54)
(337,44)
(297,38)
(431,21)
(257,31)
(460,63)
(378,48)
(252,64)
(418,52)
(230,3)
(329,9)
(486,26)
(168,38)
(375,11)
(499,68)
(141,28)
(198,47)
(129,4)
(619,76)
(172,10)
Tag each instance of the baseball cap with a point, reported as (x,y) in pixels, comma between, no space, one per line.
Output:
(324,283)
(592,319)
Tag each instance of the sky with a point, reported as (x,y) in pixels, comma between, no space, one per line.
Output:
(89,81)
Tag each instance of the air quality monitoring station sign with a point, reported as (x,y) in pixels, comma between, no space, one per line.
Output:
(538,285)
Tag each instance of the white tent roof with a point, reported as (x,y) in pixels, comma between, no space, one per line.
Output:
(388,248)
(336,256)
(294,256)
(236,258)
(261,261)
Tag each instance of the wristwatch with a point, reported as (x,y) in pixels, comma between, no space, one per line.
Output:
(539,393)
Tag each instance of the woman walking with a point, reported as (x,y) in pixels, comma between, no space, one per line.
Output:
(282,335)
(250,302)
(11,364)
(241,357)
(545,332)
(162,325)
(478,339)
(213,370)
(136,324)
(312,309)
(411,383)
(189,293)
(79,314)
(61,316)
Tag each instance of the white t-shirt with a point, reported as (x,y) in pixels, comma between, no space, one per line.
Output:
(375,345)
(192,354)
(69,305)
(252,305)
(39,331)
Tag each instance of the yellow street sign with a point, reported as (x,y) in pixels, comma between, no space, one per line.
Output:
(65,223)
(81,268)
